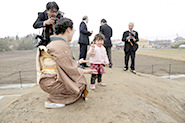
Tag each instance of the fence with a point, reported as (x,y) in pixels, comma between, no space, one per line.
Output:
(29,76)
(162,69)
(18,77)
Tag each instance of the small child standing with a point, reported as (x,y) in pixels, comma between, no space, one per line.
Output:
(98,58)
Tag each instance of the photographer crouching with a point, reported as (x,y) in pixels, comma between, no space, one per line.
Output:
(47,20)
(130,38)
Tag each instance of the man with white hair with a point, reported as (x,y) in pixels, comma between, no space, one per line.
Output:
(130,38)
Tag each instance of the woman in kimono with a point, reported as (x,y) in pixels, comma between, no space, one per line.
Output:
(60,75)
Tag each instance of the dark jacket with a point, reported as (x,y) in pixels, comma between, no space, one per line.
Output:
(42,16)
(127,44)
(106,30)
(84,34)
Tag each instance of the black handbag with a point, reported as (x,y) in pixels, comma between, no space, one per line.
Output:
(135,47)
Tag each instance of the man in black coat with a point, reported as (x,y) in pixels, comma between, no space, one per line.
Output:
(106,30)
(84,40)
(46,20)
(130,38)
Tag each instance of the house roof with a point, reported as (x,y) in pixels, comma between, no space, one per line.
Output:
(179,38)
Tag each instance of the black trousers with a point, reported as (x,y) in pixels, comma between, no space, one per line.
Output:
(94,76)
(83,52)
(108,49)
(127,55)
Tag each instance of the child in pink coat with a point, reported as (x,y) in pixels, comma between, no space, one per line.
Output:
(98,58)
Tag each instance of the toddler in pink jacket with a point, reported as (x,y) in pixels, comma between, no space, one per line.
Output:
(98,58)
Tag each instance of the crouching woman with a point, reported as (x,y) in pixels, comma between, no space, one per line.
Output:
(60,76)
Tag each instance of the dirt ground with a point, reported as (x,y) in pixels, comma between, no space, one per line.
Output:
(174,54)
(126,98)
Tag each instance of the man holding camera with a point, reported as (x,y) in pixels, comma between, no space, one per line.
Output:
(47,20)
(130,38)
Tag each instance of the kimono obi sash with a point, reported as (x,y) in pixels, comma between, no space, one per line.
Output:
(47,64)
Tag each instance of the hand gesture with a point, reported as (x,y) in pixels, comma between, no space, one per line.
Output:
(134,39)
(93,47)
(83,61)
(50,21)
(128,37)
(92,52)
(90,71)
(91,32)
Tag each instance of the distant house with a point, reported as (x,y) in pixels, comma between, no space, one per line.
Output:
(161,43)
(143,43)
(179,39)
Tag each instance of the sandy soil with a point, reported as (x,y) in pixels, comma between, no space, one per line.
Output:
(180,79)
(174,54)
(126,98)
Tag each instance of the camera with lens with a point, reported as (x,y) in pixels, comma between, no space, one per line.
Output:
(131,34)
(56,20)
(58,16)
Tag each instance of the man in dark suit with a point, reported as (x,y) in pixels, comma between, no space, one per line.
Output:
(46,20)
(130,38)
(84,40)
(106,30)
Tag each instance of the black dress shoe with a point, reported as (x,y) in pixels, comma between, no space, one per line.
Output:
(125,69)
(81,66)
(133,71)
(86,66)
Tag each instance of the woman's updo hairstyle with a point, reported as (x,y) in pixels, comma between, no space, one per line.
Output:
(62,24)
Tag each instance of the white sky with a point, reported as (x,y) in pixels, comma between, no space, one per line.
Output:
(154,19)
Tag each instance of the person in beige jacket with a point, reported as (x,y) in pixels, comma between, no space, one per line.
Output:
(59,74)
